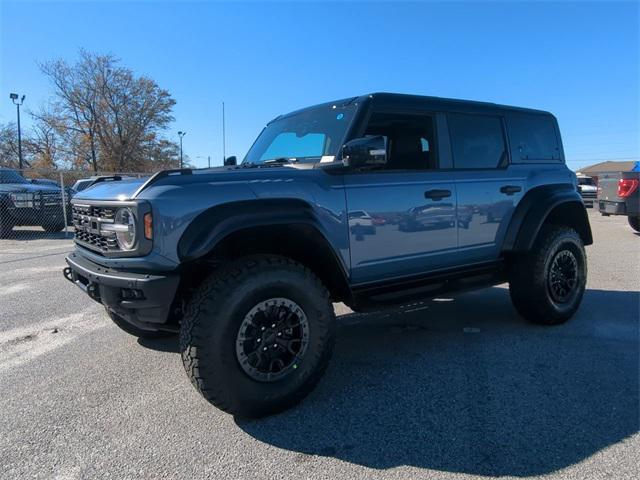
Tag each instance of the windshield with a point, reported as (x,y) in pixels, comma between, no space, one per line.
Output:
(585,181)
(11,176)
(305,137)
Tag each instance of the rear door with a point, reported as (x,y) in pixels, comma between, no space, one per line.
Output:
(488,187)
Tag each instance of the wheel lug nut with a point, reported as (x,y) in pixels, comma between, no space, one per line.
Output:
(263,328)
(259,340)
(279,334)
(275,345)
(273,325)
(264,349)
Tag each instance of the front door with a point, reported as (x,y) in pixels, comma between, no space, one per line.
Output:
(402,217)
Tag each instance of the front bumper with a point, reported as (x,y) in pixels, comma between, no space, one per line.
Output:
(39,216)
(144,300)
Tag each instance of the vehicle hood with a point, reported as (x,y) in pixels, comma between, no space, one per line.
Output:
(125,189)
(27,187)
(111,190)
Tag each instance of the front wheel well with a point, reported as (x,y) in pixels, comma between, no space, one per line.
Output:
(299,241)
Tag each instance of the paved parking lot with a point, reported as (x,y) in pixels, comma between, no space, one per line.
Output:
(454,388)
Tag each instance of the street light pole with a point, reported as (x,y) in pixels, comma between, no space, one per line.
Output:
(14,98)
(181,134)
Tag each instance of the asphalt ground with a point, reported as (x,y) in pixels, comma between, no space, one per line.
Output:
(453,388)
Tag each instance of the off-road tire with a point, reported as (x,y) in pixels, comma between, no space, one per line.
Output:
(53,227)
(135,331)
(634,222)
(528,277)
(212,320)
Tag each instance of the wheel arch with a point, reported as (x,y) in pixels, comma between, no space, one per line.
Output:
(285,227)
(549,204)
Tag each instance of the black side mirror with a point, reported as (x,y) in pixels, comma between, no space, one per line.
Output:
(365,152)
(230,161)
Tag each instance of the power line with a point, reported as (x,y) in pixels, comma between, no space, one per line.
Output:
(601,159)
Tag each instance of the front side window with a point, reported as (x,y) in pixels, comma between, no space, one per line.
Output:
(409,139)
(305,137)
(477,141)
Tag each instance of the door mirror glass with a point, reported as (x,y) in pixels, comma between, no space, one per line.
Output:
(230,161)
(365,151)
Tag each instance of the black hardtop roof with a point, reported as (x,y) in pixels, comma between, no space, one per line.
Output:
(402,100)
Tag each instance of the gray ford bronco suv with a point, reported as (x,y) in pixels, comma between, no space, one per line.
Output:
(373,201)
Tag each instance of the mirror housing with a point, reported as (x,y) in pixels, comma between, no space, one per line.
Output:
(230,161)
(365,152)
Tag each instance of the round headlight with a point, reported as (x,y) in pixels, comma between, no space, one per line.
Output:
(126,238)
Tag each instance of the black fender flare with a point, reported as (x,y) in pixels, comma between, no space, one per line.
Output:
(534,209)
(216,223)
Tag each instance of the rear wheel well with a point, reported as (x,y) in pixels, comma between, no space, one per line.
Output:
(299,241)
(572,215)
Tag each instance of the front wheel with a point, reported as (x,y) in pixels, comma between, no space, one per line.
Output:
(634,222)
(547,284)
(257,335)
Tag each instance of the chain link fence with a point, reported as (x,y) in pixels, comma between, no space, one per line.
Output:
(35,203)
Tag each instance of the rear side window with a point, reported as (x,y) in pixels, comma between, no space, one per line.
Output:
(477,141)
(533,138)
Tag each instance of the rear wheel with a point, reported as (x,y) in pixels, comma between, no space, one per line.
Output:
(634,222)
(135,331)
(257,335)
(547,284)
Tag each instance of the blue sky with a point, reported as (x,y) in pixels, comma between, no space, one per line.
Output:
(578,60)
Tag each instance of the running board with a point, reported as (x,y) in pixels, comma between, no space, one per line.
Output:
(428,286)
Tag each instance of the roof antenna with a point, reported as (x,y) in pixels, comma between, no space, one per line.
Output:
(224,152)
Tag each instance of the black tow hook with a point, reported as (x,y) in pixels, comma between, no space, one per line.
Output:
(93,291)
(66,273)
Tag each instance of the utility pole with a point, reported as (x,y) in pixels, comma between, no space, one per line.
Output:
(181,134)
(224,152)
(14,98)
(209,160)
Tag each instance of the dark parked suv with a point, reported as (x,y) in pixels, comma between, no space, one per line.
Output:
(24,202)
(373,201)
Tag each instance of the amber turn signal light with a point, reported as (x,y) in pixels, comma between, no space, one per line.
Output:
(148,226)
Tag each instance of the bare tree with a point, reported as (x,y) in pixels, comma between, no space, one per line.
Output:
(9,145)
(42,145)
(104,113)
(75,108)
(133,110)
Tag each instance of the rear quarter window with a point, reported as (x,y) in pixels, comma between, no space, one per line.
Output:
(533,138)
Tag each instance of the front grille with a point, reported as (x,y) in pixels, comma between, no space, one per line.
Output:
(589,195)
(51,199)
(87,220)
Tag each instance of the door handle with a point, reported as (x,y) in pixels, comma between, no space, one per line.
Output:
(437,194)
(510,189)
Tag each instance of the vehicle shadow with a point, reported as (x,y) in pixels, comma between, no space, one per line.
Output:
(465,385)
(166,344)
